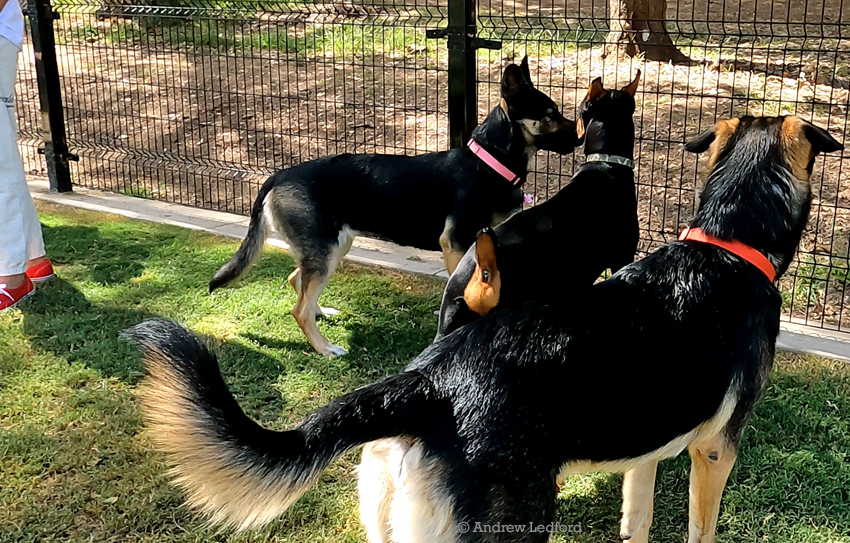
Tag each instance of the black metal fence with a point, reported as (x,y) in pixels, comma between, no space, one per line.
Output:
(196,101)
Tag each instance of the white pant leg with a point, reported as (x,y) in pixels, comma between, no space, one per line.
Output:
(20,231)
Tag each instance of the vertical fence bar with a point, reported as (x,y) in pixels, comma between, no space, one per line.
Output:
(463,91)
(463,41)
(55,149)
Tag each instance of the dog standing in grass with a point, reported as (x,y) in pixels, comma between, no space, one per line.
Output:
(437,201)
(684,339)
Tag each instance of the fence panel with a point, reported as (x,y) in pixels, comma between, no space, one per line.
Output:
(757,57)
(30,139)
(196,101)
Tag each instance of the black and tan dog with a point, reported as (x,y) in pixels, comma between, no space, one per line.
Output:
(589,226)
(684,337)
(433,201)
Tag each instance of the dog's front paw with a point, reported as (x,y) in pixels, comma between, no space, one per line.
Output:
(334,350)
(328,311)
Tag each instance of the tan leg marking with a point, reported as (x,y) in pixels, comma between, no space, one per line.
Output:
(307,305)
(295,280)
(711,462)
(638,493)
(305,311)
(451,256)
(346,239)
(452,259)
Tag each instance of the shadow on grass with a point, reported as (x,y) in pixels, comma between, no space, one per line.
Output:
(63,321)
(134,271)
(791,481)
(110,260)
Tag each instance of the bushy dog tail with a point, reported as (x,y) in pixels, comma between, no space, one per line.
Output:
(240,474)
(248,252)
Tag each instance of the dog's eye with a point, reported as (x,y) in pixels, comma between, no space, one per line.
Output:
(485,276)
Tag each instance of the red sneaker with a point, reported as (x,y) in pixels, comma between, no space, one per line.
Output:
(9,297)
(41,272)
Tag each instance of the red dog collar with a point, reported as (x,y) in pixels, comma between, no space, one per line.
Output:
(753,256)
(491,161)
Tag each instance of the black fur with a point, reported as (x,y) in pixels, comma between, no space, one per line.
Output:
(251,246)
(510,396)
(593,220)
(407,199)
(396,405)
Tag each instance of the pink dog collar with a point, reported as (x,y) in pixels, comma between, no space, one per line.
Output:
(491,161)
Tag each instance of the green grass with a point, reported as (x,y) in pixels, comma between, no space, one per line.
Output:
(340,40)
(77,466)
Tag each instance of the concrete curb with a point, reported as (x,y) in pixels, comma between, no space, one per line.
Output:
(793,337)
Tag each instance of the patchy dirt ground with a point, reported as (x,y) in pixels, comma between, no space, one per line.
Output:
(201,112)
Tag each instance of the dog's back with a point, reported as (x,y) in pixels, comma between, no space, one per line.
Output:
(587,227)
(568,241)
(402,198)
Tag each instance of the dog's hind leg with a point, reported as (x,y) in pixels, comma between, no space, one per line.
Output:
(638,491)
(711,462)
(378,477)
(346,238)
(314,271)
(306,309)
(451,252)
(295,281)
(422,511)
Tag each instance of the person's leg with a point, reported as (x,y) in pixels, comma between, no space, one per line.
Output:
(21,243)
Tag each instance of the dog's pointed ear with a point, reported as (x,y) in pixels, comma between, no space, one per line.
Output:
(580,129)
(595,90)
(504,105)
(526,73)
(821,140)
(720,132)
(485,250)
(513,82)
(631,88)
(701,143)
(484,288)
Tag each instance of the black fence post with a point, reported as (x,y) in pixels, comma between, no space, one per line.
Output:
(41,16)
(463,91)
(461,32)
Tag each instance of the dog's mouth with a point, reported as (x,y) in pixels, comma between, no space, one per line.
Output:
(563,141)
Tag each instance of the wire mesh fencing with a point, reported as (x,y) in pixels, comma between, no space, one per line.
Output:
(738,58)
(197,101)
(30,138)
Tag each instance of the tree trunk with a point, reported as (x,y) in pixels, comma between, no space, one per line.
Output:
(638,27)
